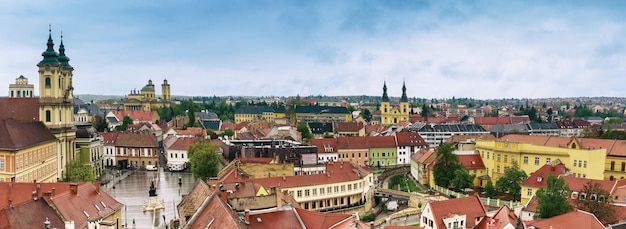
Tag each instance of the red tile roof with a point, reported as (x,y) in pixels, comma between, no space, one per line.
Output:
(578,184)
(416,118)
(21,109)
(410,139)
(502,218)
(347,126)
(469,206)
(16,135)
(29,214)
(182,143)
(215,212)
(192,131)
(318,220)
(472,161)
(109,137)
(538,178)
(352,143)
(492,120)
(234,127)
(137,115)
(284,218)
(324,145)
(381,141)
(532,204)
(573,219)
(374,128)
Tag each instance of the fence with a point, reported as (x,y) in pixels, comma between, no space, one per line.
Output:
(486,201)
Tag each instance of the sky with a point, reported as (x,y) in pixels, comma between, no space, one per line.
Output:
(440,49)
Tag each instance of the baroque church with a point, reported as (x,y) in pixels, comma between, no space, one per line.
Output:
(146,99)
(394,113)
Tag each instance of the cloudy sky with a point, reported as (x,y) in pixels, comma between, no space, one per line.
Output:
(480,49)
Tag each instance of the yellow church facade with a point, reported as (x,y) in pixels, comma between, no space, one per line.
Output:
(146,98)
(394,113)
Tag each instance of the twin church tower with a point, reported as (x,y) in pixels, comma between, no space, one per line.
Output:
(394,113)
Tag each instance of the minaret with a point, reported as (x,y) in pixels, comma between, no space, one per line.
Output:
(385,106)
(56,104)
(165,89)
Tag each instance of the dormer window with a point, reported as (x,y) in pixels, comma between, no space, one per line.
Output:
(574,195)
(539,178)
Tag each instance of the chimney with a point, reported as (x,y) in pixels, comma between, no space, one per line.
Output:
(284,177)
(224,196)
(279,197)
(98,186)
(52,192)
(247,216)
(74,188)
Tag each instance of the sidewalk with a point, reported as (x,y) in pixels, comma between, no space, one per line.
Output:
(117,179)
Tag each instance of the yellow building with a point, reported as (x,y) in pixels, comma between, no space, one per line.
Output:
(254,113)
(56,101)
(28,152)
(146,99)
(392,114)
(582,156)
(537,179)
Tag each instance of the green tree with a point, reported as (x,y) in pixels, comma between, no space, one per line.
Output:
(511,180)
(99,123)
(125,122)
(204,160)
(367,115)
(490,190)
(583,112)
(614,134)
(306,133)
(552,201)
(78,172)
(191,113)
(446,164)
(598,202)
(463,179)
(227,132)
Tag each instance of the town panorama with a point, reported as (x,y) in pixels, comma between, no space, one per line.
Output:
(383,161)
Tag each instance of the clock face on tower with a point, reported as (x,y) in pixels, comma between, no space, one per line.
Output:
(47,67)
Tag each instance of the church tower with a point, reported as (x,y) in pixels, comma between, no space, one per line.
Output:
(384,105)
(165,89)
(404,102)
(56,101)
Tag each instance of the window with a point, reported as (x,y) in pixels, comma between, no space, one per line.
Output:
(2,164)
(529,192)
(612,165)
(512,158)
(307,192)
(321,191)
(48,116)
(336,189)
(585,165)
(536,160)
(343,188)
(314,192)
(47,82)
(506,158)
(299,193)
(498,169)
(525,159)
(329,190)
(548,160)
(498,157)
(574,163)
(487,155)
(623,166)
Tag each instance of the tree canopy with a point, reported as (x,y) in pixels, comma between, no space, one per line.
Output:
(204,160)
(445,166)
(306,133)
(125,122)
(227,132)
(490,190)
(78,172)
(511,180)
(552,201)
(462,179)
(598,201)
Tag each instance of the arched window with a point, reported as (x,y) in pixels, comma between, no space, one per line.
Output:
(48,82)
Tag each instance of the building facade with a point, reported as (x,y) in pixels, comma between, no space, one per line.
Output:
(392,114)
(21,88)
(146,98)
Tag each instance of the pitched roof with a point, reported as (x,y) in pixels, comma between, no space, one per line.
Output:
(470,206)
(352,143)
(471,161)
(410,139)
(538,178)
(325,145)
(374,129)
(145,140)
(215,212)
(503,217)
(347,126)
(492,120)
(21,109)
(573,219)
(254,110)
(182,143)
(16,135)
(321,110)
(578,184)
(381,141)
(136,115)
(281,218)
(318,220)
(234,127)
(192,131)
(320,128)
(28,214)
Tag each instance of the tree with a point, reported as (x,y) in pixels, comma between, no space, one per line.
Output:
(490,190)
(367,115)
(125,122)
(463,179)
(584,112)
(552,201)
(228,132)
(99,123)
(614,134)
(204,160)
(511,180)
(304,129)
(191,113)
(598,201)
(78,172)
(445,165)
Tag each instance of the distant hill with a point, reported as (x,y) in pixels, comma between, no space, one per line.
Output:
(90,97)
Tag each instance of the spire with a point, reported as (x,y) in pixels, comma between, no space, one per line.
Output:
(49,56)
(62,57)
(385,97)
(404,98)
